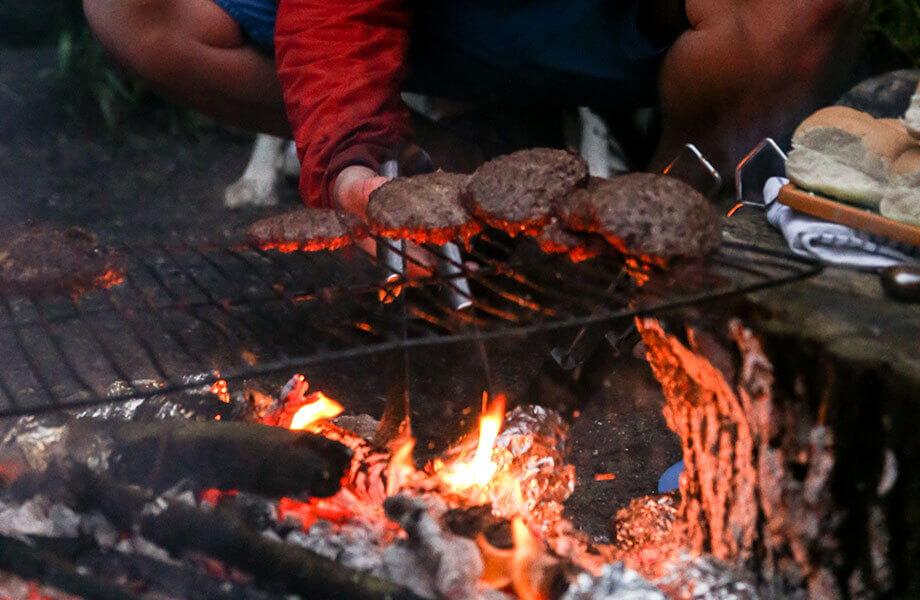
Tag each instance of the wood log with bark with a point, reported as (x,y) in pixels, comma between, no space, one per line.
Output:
(245,456)
(796,408)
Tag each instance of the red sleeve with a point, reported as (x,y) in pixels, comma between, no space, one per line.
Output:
(340,64)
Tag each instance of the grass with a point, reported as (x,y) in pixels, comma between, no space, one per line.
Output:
(899,20)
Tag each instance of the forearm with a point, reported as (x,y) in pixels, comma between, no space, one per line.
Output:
(751,69)
(340,66)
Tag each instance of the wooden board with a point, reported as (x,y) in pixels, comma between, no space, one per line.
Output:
(851,216)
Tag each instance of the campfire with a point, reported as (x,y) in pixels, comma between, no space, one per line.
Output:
(486,515)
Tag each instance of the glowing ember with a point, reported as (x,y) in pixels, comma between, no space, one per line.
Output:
(479,471)
(220,389)
(321,409)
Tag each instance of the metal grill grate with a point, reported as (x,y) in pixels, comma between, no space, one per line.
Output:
(187,316)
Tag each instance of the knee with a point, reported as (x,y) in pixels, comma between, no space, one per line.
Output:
(129,30)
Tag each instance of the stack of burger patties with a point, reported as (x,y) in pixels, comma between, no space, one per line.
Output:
(853,157)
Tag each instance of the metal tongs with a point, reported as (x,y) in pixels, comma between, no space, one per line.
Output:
(391,254)
(767,160)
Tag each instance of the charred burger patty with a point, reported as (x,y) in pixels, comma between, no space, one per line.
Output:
(645,215)
(516,192)
(306,230)
(424,208)
(41,259)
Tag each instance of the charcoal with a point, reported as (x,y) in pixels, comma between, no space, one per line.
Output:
(254,510)
(30,563)
(245,456)
(181,529)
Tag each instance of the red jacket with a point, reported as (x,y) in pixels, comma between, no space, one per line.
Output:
(341,66)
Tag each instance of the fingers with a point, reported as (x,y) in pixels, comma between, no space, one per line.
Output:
(353,187)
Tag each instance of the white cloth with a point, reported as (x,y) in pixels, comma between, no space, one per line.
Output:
(831,243)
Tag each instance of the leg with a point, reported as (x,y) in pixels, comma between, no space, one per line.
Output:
(751,69)
(193,52)
(257,185)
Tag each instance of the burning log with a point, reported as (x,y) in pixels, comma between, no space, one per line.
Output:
(790,453)
(27,562)
(181,528)
(257,458)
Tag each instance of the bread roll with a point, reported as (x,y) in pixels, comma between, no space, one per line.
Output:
(902,204)
(847,154)
(912,118)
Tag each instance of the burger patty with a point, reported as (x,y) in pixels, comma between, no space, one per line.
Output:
(41,259)
(306,230)
(516,192)
(424,208)
(645,215)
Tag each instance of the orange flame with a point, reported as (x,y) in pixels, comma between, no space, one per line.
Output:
(479,471)
(401,467)
(321,409)
(531,567)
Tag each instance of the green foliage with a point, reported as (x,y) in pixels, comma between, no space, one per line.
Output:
(86,75)
(899,20)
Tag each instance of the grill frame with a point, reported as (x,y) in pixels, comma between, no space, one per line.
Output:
(195,283)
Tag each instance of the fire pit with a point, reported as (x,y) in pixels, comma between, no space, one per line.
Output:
(180,466)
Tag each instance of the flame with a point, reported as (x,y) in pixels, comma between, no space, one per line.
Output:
(321,409)
(479,471)
(531,567)
(401,467)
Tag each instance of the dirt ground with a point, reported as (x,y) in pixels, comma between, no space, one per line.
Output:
(141,183)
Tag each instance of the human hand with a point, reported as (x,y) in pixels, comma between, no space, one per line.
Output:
(351,192)
(352,189)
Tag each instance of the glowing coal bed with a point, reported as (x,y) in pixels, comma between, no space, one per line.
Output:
(484,519)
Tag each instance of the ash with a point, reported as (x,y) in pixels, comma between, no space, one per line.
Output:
(707,578)
(615,582)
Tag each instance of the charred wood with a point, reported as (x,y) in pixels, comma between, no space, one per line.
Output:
(243,456)
(28,562)
(180,529)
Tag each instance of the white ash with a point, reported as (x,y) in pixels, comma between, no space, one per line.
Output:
(454,562)
(616,582)
(707,578)
(39,516)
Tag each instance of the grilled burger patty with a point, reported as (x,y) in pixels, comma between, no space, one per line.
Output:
(41,259)
(645,215)
(306,230)
(516,192)
(423,208)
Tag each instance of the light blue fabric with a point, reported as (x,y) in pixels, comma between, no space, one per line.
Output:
(670,479)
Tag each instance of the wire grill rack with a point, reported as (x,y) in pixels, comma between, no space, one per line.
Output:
(185,317)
